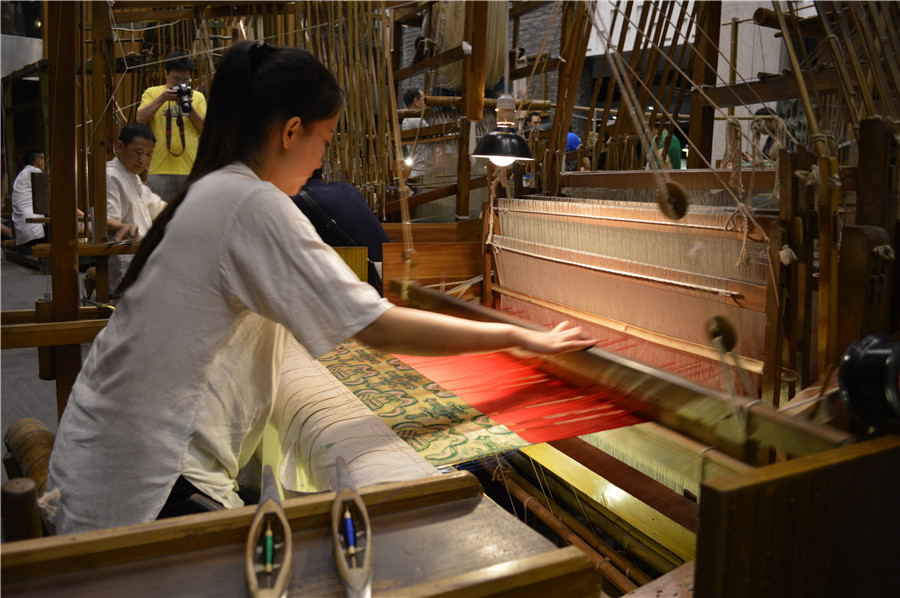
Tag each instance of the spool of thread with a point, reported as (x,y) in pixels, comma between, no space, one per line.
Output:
(31,442)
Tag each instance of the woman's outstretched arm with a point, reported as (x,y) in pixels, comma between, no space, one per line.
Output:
(416,332)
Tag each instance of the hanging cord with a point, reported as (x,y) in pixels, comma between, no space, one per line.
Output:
(740,416)
(734,154)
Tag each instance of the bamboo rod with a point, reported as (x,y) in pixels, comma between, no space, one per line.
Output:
(565,533)
(856,66)
(611,87)
(667,68)
(875,63)
(888,51)
(609,553)
(815,137)
(577,503)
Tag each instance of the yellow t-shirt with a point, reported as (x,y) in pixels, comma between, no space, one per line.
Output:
(165,155)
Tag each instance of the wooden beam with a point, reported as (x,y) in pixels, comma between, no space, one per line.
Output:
(450,56)
(28,316)
(770,89)
(434,194)
(46,557)
(694,178)
(442,129)
(523,72)
(92,249)
(51,334)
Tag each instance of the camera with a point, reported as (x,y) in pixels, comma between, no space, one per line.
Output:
(183,92)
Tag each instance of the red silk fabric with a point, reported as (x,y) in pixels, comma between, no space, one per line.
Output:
(534,405)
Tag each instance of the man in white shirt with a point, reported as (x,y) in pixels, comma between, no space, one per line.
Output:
(27,233)
(130,204)
(417,154)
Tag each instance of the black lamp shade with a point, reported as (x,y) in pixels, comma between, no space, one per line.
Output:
(503,142)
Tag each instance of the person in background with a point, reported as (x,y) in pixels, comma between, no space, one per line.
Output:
(4,195)
(532,121)
(130,204)
(178,387)
(672,158)
(417,158)
(27,234)
(167,118)
(572,141)
(769,129)
(343,219)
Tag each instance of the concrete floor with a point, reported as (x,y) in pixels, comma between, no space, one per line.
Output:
(22,393)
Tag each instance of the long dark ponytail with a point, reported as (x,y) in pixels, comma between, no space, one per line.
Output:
(256,87)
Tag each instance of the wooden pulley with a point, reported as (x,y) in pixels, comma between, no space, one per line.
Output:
(721,333)
(673,200)
(401,169)
(31,442)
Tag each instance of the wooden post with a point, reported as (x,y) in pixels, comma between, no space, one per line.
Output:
(101,91)
(704,73)
(877,198)
(474,64)
(43,312)
(829,201)
(21,517)
(60,42)
(775,298)
(463,168)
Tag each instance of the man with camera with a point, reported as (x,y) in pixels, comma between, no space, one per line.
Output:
(175,113)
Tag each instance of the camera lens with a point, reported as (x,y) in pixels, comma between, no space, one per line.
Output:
(184,98)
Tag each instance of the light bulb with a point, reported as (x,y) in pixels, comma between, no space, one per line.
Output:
(408,161)
(502,160)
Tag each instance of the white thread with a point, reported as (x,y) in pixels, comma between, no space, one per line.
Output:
(787,255)
(48,503)
(885,252)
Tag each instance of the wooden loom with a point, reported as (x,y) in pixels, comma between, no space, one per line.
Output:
(590,256)
(759,423)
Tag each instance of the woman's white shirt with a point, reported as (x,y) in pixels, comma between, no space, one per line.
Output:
(181,381)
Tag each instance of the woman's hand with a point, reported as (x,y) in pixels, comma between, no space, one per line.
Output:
(415,332)
(564,337)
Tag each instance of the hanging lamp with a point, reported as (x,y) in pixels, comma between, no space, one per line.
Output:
(504,145)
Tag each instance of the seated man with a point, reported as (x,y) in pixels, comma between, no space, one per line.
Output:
(416,154)
(130,204)
(27,233)
(532,121)
(342,218)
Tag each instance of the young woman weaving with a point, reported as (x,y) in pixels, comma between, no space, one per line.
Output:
(176,390)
